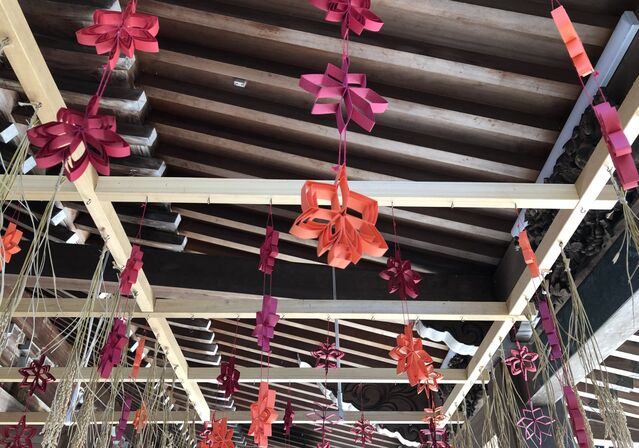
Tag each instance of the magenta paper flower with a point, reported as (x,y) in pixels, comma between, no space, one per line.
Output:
(229,377)
(111,353)
(323,418)
(129,274)
(124,419)
(363,431)
(59,139)
(269,250)
(522,361)
(355,15)
(401,277)
(289,415)
(19,435)
(349,98)
(115,32)
(265,322)
(36,376)
(535,424)
(326,356)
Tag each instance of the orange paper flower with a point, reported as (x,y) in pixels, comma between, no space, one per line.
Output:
(411,357)
(263,415)
(345,237)
(434,416)
(220,436)
(431,383)
(10,241)
(141,418)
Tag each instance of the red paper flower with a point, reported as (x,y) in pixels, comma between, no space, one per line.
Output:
(345,237)
(111,353)
(363,431)
(129,274)
(269,250)
(326,356)
(434,416)
(10,241)
(19,435)
(114,32)
(355,15)
(265,322)
(289,415)
(411,357)
(263,415)
(36,376)
(220,435)
(401,277)
(229,377)
(141,418)
(522,361)
(431,382)
(124,419)
(59,139)
(349,97)
(535,424)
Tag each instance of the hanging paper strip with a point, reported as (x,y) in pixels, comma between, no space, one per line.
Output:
(137,362)
(289,415)
(355,15)
(229,377)
(18,435)
(401,277)
(115,32)
(129,274)
(36,376)
(265,322)
(263,415)
(576,417)
(536,425)
(10,243)
(124,418)
(111,353)
(548,325)
(269,250)
(345,237)
(529,254)
(522,361)
(573,43)
(411,357)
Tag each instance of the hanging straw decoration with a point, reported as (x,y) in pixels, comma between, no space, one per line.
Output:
(488,428)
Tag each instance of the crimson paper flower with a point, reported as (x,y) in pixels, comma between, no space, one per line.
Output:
(111,353)
(401,277)
(265,322)
(522,361)
(229,377)
(129,274)
(326,356)
(36,376)
(19,435)
(269,250)
(289,415)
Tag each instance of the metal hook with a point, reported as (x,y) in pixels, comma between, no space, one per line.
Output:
(452,204)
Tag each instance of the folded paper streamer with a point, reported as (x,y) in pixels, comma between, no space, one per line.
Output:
(115,32)
(618,145)
(269,250)
(529,254)
(434,416)
(431,383)
(10,244)
(129,274)
(345,237)
(124,418)
(411,357)
(401,277)
(548,325)
(326,356)
(289,415)
(263,415)
(434,438)
(363,431)
(229,377)
(137,362)
(219,436)
(521,361)
(355,15)
(573,43)
(576,417)
(347,95)
(59,139)
(265,322)
(36,376)
(111,353)
(18,435)
(535,424)
(141,418)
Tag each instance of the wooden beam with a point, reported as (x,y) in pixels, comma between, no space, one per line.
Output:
(287,192)
(38,84)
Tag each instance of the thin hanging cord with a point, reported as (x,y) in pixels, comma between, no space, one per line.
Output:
(340,409)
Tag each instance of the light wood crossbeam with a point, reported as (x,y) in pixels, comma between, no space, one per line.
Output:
(232,308)
(287,192)
(38,84)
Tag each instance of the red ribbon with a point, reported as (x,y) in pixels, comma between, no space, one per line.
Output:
(115,32)
(355,15)
(401,277)
(129,274)
(10,244)
(573,43)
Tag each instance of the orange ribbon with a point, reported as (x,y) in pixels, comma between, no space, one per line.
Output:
(10,241)
(411,357)
(529,254)
(345,237)
(138,358)
(141,418)
(263,415)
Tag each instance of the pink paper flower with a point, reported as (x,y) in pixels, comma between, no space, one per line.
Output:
(434,438)
(229,377)
(363,431)
(535,424)
(401,277)
(129,274)
(269,250)
(323,418)
(36,376)
(265,322)
(326,356)
(19,435)
(355,15)
(111,353)
(522,361)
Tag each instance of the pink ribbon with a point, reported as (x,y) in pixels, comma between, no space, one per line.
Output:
(129,274)
(269,250)
(58,141)
(401,277)
(229,377)
(349,97)
(522,361)
(576,417)
(289,415)
(355,15)
(111,353)
(115,32)
(548,325)
(265,322)
(124,419)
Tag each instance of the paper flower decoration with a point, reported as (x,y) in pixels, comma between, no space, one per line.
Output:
(137,362)
(59,139)
(573,43)
(577,420)
(269,250)
(521,361)
(355,15)
(431,382)
(129,274)
(265,322)
(345,237)
(535,424)
(19,435)
(220,435)
(111,353)
(434,438)
(548,325)
(326,356)
(229,377)
(263,415)
(529,254)
(124,418)
(115,32)
(323,418)
(411,357)
(10,241)
(401,277)
(347,95)
(289,415)
(141,418)
(434,416)
(36,376)
(204,435)
(363,431)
